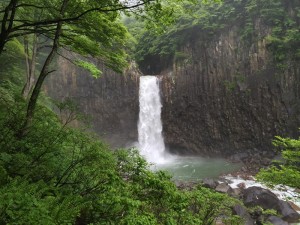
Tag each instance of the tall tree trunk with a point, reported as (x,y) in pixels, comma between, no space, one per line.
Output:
(7,23)
(44,72)
(30,58)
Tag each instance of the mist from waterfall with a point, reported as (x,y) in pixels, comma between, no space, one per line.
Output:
(151,142)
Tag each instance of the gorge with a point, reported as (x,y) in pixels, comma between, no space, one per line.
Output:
(223,92)
(150,112)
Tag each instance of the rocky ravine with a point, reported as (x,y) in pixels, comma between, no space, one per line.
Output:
(226,98)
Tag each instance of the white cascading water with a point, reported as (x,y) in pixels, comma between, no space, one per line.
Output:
(151,142)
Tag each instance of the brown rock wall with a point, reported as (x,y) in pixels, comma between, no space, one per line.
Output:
(229,96)
(111,101)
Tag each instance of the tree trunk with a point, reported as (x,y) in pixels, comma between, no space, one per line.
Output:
(30,59)
(7,22)
(44,73)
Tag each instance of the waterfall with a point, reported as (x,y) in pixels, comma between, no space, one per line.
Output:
(151,142)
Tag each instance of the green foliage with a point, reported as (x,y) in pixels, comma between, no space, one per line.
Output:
(188,18)
(105,38)
(284,40)
(12,64)
(22,202)
(211,17)
(90,67)
(230,86)
(58,175)
(288,171)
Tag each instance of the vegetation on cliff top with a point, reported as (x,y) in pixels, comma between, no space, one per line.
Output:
(207,19)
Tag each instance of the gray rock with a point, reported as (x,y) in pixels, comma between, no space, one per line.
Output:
(236,192)
(257,196)
(288,213)
(276,220)
(243,213)
(210,183)
(294,206)
(239,156)
(224,188)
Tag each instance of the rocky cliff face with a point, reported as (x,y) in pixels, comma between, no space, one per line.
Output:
(227,96)
(224,96)
(110,101)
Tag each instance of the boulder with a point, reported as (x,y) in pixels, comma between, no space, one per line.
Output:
(236,192)
(294,206)
(242,185)
(210,183)
(276,221)
(243,213)
(224,188)
(257,196)
(288,213)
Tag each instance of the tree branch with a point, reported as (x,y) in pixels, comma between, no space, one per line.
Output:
(70,19)
(31,5)
(66,58)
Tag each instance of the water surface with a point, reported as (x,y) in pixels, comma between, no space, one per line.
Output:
(196,168)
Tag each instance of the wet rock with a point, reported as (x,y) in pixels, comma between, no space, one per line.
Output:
(210,183)
(236,192)
(242,185)
(294,206)
(288,213)
(276,221)
(182,185)
(243,213)
(257,196)
(239,156)
(224,188)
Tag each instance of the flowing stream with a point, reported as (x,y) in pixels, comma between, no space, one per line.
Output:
(151,143)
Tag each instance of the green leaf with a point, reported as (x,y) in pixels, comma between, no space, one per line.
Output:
(90,67)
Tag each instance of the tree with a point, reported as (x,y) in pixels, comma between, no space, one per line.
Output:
(90,28)
(30,48)
(47,14)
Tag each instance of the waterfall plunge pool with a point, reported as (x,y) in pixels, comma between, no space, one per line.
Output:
(151,143)
(195,168)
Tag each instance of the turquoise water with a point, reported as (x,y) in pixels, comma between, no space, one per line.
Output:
(197,168)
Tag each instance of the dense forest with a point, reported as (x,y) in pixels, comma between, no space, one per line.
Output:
(53,173)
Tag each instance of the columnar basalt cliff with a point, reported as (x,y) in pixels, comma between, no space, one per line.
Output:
(224,94)
(110,101)
(228,96)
